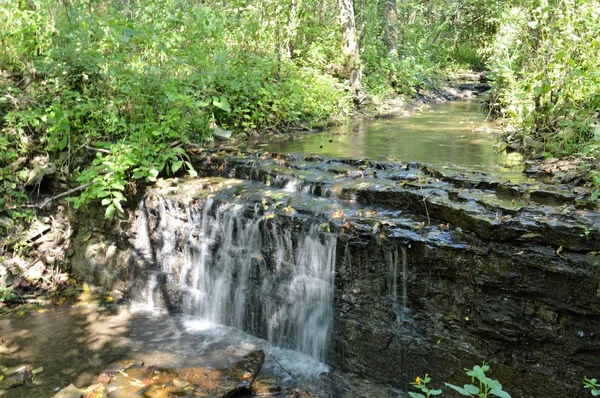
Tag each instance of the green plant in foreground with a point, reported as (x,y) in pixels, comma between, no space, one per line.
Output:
(592,385)
(6,293)
(421,384)
(486,387)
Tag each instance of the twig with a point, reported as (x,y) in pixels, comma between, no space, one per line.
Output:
(310,394)
(91,148)
(66,193)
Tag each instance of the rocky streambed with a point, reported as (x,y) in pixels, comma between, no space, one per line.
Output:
(433,269)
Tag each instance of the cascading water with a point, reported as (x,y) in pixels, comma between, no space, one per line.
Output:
(396,261)
(233,266)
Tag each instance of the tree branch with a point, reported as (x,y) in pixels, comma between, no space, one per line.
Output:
(66,193)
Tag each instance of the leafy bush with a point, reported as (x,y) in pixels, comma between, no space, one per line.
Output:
(114,93)
(545,64)
(592,385)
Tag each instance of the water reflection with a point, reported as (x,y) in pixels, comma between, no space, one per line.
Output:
(452,133)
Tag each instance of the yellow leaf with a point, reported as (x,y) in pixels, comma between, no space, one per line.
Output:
(289,209)
(338,214)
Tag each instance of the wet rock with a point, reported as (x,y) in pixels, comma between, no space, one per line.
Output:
(20,377)
(530,142)
(222,135)
(135,380)
(69,392)
(266,387)
(454,268)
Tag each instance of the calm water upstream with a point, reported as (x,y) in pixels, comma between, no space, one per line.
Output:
(448,134)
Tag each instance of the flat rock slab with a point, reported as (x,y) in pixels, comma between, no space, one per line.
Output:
(155,382)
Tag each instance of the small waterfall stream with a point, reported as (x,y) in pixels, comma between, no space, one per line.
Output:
(239,268)
(398,267)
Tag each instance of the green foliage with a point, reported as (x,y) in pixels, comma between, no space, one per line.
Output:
(545,63)
(6,293)
(132,84)
(484,387)
(592,385)
(421,384)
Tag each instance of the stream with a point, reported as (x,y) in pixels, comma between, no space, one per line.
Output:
(327,255)
(450,134)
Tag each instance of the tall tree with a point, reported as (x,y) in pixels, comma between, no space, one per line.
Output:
(351,50)
(391,26)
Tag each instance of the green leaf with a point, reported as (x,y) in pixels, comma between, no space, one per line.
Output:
(152,174)
(500,393)
(191,170)
(118,196)
(472,389)
(106,201)
(435,392)
(117,185)
(467,391)
(222,103)
(63,142)
(101,193)
(416,395)
(118,206)
(110,212)
(176,166)
(595,195)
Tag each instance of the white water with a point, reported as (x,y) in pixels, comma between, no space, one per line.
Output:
(272,279)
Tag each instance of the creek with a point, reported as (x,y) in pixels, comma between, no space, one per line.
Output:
(360,257)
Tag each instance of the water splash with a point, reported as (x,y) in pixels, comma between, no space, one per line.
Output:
(270,277)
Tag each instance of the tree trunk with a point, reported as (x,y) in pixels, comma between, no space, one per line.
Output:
(350,49)
(391,23)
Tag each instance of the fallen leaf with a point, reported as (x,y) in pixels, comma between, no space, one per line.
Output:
(338,214)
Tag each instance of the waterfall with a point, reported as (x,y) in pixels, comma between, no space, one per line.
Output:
(395,262)
(271,277)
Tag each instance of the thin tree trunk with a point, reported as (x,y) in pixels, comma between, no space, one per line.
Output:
(351,51)
(391,23)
